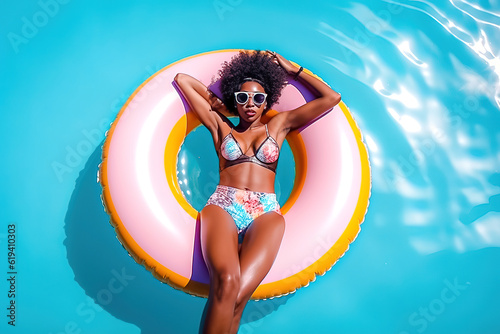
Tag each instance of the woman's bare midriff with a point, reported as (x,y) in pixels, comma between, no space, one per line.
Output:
(248,176)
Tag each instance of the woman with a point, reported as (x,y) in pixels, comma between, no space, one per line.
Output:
(241,225)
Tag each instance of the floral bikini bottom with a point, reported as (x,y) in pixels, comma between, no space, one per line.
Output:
(243,205)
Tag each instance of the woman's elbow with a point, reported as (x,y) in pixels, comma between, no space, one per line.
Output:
(333,99)
(179,77)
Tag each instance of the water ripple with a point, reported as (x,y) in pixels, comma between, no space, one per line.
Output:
(432,128)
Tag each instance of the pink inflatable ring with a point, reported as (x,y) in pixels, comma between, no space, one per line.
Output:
(158,227)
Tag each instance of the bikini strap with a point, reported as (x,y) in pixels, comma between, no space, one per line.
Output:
(267,132)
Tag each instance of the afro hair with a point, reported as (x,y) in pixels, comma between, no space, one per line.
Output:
(256,65)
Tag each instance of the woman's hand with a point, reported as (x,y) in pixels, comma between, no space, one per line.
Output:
(325,97)
(216,103)
(284,63)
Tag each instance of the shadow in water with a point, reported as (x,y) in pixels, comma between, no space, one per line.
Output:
(480,210)
(109,276)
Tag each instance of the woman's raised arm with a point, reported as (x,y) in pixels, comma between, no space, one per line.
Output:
(326,98)
(201,101)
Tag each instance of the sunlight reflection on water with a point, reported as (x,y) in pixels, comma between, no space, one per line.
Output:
(440,142)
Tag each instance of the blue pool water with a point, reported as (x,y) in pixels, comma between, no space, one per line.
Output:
(421,79)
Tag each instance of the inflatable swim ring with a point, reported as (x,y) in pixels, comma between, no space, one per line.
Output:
(158,227)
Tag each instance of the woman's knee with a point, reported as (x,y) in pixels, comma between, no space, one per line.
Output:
(226,284)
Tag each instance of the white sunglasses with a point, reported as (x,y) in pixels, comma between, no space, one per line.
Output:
(243,97)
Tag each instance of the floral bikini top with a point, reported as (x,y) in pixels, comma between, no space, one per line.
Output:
(266,155)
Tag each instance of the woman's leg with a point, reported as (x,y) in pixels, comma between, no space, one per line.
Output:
(258,251)
(219,243)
